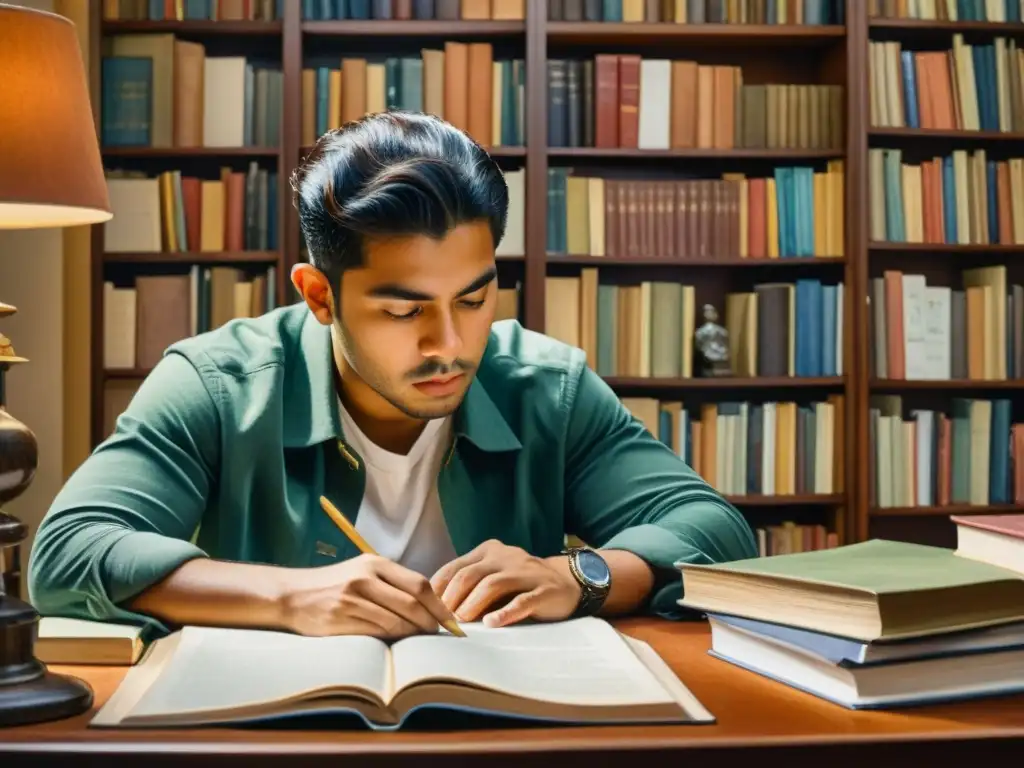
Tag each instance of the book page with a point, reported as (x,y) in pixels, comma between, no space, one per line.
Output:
(581,661)
(222,670)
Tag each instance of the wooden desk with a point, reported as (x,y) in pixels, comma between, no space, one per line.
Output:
(753,713)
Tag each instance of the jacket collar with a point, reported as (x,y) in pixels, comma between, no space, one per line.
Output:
(311,403)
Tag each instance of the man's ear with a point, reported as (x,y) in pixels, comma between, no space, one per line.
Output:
(315,289)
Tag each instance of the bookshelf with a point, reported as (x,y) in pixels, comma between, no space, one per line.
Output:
(793,55)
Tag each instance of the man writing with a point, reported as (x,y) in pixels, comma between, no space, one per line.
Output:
(462,452)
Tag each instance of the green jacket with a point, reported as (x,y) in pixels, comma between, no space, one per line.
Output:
(236,434)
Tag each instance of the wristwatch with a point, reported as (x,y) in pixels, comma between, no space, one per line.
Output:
(594,577)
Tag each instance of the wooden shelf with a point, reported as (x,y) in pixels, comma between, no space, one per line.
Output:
(933,27)
(187,257)
(951,248)
(731,382)
(810,499)
(945,384)
(943,134)
(414,28)
(596,32)
(952,509)
(731,263)
(661,154)
(125,373)
(181,152)
(194,27)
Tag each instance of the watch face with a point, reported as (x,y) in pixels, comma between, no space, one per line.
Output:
(594,568)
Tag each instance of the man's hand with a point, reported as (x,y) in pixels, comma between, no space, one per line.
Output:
(367,595)
(540,588)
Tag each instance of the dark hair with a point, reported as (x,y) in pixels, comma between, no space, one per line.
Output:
(392,173)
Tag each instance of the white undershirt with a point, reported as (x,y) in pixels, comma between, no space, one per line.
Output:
(401,515)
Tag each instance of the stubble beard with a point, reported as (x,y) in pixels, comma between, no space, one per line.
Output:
(375,379)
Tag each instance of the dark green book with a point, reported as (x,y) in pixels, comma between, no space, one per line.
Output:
(870,591)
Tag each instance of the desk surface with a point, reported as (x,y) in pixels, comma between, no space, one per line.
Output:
(751,712)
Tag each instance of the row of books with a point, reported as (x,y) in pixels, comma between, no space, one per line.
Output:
(959,199)
(461,84)
(192,10)
(647,328)
(160,91)
(977,87)
(744,449)
(442,10)
(948,10)
(878,624)
(923,332)
(797,212)
(142,319)
(790,537)
(635,102)
(700,11)
(930,458)
(172,212)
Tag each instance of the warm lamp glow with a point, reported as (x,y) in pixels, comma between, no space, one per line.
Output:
(51,174)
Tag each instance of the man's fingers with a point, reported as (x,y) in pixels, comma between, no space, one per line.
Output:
(464,582)
(487,592)
(418,588)
(375,609)
(520,607)
(440,580)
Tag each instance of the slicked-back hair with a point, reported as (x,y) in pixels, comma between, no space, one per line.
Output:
(392,174)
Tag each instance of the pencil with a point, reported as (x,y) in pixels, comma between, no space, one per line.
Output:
(350,530)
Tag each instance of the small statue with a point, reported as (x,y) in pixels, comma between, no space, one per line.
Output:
(712,346)
(6,348)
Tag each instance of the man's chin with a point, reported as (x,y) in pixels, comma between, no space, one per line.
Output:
(420,406)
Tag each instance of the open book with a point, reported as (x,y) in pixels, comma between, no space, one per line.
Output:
(578,671)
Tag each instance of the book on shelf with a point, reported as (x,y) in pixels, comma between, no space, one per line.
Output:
(574,672)
(629,101)
(869,625)
(196,10)
(962,198)
(754,448)
(645,328)
(999,11)
(995,539)
(969,87)
(145,317)
(921,332)
(796,212)
(926,458)
(418,10)
(459,82)
(700,11)
(173,212)
(161,91)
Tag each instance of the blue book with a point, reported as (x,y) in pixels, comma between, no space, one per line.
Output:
(910,111)
(126,101)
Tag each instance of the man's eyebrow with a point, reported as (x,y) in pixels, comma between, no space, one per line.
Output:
(401,293)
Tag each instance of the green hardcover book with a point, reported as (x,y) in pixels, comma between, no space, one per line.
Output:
(870,591)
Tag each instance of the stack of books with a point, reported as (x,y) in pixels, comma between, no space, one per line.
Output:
(877,624)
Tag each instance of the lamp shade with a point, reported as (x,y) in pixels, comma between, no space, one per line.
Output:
(51,174)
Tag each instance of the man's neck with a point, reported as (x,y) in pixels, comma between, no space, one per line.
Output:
(383,424)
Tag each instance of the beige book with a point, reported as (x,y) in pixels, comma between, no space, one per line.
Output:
(578,671)
(64,640)
(224,101)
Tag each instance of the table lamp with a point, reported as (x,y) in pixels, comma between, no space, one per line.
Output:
(51,175)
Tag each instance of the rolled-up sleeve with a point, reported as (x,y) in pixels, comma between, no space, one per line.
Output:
(126,517)
(627,490)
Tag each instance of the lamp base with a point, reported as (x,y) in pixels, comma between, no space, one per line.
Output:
(29,693)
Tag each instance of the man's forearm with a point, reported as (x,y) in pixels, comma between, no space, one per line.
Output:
(217,593)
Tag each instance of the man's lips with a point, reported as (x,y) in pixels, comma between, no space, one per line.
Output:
(440,385)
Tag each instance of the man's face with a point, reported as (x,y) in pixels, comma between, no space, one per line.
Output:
(414,320)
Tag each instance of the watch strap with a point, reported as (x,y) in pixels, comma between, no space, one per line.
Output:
(592,597)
